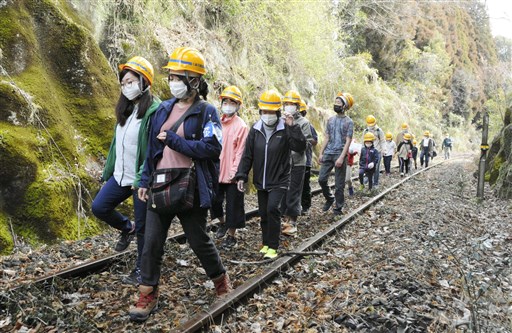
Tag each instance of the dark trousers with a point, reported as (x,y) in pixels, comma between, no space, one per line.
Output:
(291,201)
(387,163)
(328,164)
(369,174)
(270,216)
(105,203)
(424,156)
(193,222)
(306,190)
(235,207)
(404,165)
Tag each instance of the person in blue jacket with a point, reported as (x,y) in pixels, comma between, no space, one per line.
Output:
(267,150)
(368,160)
(198,142)
(126,156)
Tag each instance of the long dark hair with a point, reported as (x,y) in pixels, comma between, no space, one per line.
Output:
(124,107)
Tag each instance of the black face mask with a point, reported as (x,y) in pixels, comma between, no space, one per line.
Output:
(338,108)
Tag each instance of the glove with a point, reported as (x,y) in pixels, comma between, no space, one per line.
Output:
(371,165)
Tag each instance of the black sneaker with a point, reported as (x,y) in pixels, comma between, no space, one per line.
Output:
(229,242)
(327,205)
(125,238)
(337,212)
(221,231)
(133,279)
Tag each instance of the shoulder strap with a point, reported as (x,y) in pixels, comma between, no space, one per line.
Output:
(199,127)
(177,124)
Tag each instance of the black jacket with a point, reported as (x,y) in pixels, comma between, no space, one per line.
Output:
(271,160)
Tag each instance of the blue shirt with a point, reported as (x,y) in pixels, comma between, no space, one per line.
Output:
(338,128)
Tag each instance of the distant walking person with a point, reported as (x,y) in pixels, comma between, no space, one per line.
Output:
(388,151)
(415,154)
(427,146)
(267,151)
(405,153)
(378,133)
(368,161)
(234,133)
(339,130)
(400,138)
(447,146)
(126,156)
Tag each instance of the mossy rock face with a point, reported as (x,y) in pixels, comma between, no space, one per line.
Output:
(6,241)
(504,181)
(13,106)
(18,166)
(57,96)
(15,39)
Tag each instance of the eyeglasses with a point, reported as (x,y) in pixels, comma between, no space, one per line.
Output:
(128,84)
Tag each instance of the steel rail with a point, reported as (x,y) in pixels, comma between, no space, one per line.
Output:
(97,265)
(251,286)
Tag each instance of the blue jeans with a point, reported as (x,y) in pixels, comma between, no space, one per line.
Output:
(328,163)
(105,203)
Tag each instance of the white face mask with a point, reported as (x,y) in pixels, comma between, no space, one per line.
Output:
(178,89)
(269,119)
(291,109)
(228,109)
(131,92)
(367,144)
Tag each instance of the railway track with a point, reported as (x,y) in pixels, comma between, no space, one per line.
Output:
(225,305)
(97,265)
(253,279)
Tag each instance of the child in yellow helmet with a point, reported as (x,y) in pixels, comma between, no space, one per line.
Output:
(368,160)
(388,151)
(405,153)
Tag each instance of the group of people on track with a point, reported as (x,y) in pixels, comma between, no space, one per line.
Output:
(154,140)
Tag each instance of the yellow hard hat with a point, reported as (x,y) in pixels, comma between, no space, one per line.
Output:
(369,137)
(270,100)
(303,106)
(414,142)
(346,98)
(140,65)
(389,136)
(427,133)
(407,136)
(405,126)
(186,59)
(232,92)
(292,96)
(370,120)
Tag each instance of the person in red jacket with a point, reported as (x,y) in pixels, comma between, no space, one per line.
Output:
(353,150)
(234,133)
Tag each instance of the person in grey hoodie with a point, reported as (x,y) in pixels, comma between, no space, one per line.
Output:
(291,205)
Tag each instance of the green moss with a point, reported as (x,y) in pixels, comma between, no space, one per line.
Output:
(18,164)
(6,242)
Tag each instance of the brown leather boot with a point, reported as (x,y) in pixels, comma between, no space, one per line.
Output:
(147,303)
(222,285)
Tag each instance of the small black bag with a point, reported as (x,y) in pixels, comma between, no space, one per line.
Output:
(172,190)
